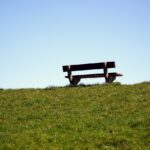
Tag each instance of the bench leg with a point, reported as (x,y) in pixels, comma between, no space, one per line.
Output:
(110,79)
(74,81)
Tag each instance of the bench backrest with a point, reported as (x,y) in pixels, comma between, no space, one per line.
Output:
(90,66)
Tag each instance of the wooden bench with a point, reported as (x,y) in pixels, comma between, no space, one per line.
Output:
(74,79)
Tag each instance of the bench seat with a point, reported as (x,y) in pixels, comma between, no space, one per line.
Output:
(98,75)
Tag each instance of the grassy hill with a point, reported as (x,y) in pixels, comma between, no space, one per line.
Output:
(108,117)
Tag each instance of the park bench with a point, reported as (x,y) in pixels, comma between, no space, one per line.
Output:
(74,79)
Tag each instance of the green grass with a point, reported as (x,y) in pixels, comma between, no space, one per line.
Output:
(107,117)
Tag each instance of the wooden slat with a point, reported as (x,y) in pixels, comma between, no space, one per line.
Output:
(118,74)
(95,75)
(88,76)
(90,66)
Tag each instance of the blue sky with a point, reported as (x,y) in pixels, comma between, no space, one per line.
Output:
(38,37)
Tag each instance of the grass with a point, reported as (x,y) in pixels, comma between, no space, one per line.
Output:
(107,117)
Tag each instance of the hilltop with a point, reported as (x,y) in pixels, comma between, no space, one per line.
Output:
(109,116)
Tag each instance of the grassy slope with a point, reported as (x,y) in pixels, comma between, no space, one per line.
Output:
(92,117)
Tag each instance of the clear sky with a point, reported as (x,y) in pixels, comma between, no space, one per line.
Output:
(38,37)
